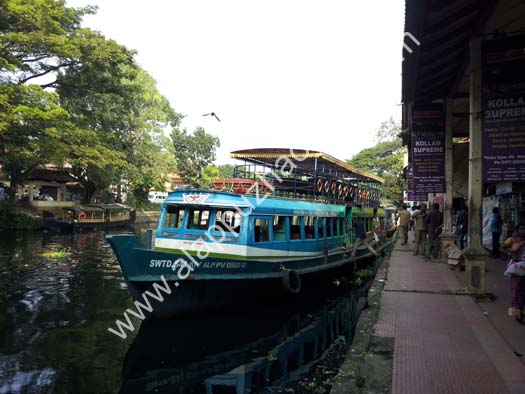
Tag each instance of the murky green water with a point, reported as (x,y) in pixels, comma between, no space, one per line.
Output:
(55,312)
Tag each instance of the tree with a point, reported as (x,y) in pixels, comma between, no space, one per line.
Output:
(37,39)
(388,131)
(106,119)
(208,175)
(33,125)
(110,95)
(193,152)
(151,155)
(385,159)
(226,170)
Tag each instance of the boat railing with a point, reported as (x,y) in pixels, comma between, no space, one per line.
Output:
(322,187)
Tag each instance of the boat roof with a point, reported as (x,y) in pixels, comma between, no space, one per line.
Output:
(97,207)
(306,161)
(256,204)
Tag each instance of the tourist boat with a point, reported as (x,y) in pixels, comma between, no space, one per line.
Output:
(289,232)
(91,216)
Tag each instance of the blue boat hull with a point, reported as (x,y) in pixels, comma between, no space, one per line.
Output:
(195,295)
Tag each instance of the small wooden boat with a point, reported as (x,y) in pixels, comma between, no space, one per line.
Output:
(288,232)
(92,216)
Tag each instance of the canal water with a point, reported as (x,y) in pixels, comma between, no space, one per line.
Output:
(59,294)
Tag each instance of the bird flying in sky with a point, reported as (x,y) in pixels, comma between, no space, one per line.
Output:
(212,114)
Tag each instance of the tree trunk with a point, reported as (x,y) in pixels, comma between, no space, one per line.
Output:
(15,179)
(90,192)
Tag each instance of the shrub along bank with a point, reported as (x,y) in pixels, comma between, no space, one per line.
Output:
(15,218)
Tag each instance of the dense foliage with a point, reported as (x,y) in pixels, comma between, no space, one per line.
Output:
(385,159)
(70,96)
(194,153)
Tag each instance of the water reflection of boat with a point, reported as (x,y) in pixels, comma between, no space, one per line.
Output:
(235,247)
(238,351)
(92,216)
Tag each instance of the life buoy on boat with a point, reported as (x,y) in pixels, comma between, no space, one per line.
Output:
(345,190)
(319,185)
(340,190)
(82,215)
(333,187)
(291,281)
(326,186)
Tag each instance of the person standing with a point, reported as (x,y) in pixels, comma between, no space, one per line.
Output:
(516,277)
(434,225)
(412,222)
(404,219)
(495,228)
(420,227)
(360,237)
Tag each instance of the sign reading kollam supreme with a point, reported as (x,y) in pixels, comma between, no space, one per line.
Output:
(428,149)
(504,110)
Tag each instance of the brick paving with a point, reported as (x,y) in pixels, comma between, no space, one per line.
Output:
(444,343)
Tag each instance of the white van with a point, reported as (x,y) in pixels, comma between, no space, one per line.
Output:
(157,197)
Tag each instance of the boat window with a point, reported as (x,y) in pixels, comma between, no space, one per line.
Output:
(309,227)
(228,221)
(262,230)
(279,228)
(173,217)
(340,228)
(198,219)
(295,227)
(319,228)
(330,226)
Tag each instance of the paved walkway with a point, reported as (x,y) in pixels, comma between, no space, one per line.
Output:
(446,343)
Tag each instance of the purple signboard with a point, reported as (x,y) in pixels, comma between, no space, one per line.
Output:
(411,193)
(428,149)
(504,110)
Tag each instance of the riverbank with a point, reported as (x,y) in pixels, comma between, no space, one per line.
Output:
(439,339)
(147,217)
(367,367)
(20,217)
(14,217)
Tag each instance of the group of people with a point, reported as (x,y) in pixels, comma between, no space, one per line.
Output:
(427,226)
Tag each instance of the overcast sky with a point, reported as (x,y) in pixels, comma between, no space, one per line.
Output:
(317,75)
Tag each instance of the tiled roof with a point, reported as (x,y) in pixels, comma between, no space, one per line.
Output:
(44,174)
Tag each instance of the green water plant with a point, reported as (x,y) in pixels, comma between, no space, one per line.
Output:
(54,254)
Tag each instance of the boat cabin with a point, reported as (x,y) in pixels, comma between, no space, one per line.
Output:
(96,213)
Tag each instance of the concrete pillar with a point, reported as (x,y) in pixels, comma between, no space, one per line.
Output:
(448,237)
(30,191)
(475,254)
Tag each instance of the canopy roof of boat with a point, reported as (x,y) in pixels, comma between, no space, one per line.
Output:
(98,207)
(307,161)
